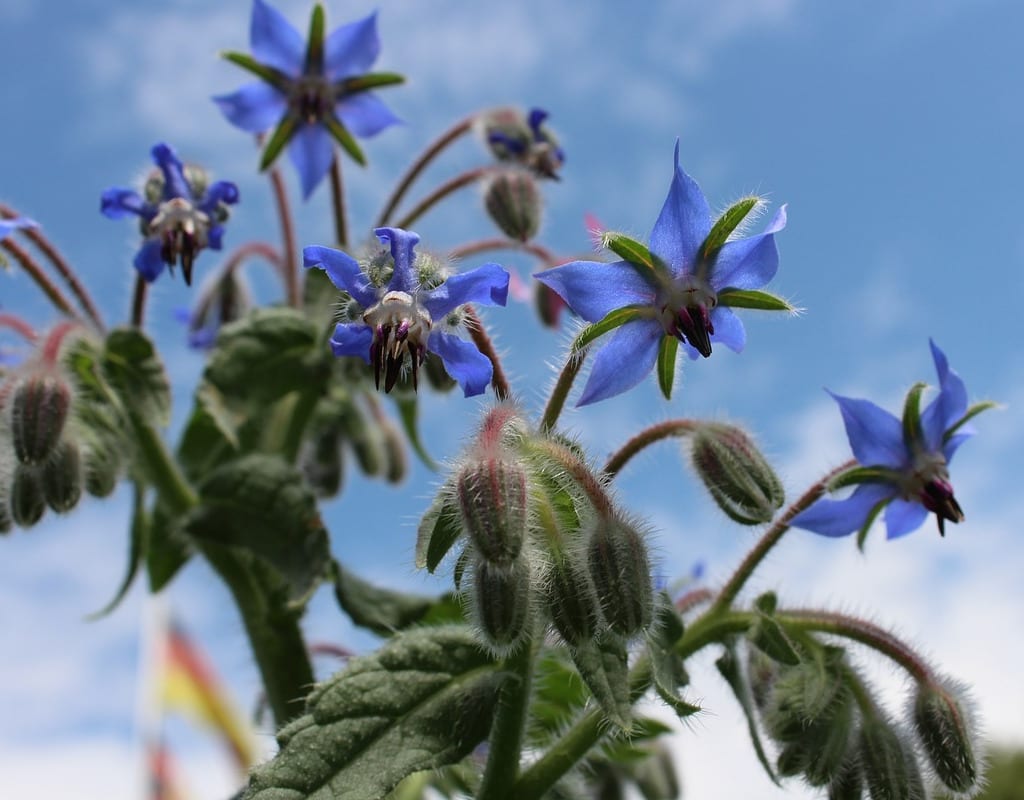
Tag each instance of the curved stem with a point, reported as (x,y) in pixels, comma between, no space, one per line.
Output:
(428,155)
(55,338)
(771,538)
(646,437)
(441,192)
(497,243)
(338,202)
(244,252)
(16,323)
(139,301)
(483,343)
(580,473)
(560,391)
(506,741)
(35,272)
(290,263)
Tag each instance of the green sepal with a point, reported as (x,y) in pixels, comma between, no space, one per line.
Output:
(972,412)
(424,700)
(667,364)
(858,475)
(382,611)
(767,603)
(408,413)
(137,540)
(667,667)
(636,254)
(274,77)
(913,436)
(371,80)
(439,529)
(315,42)
(729,667)
(602,663)
(133,370)
(611,321)
(768,636)
(558,695)
(755,299)
(862,534)
(342,136)
(724,226)
(283,133)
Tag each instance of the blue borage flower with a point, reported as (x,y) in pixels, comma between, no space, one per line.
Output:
(679,290)
(12,224)
(179,216)
(310,91)
(531,144)
(398,312)
(902,465)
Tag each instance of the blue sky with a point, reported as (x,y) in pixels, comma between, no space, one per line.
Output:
(892,131)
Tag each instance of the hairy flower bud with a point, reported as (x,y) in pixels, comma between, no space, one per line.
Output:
(27,500)
(501,605)
(848,784)
(39,410)
(102,468)
(366,440)
(571,599)
(492,496)
(619,566)
(947,733)
(738,477)
(62,477)
(888,762)
(513,201)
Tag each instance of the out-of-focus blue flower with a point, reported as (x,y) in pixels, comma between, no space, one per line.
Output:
(309,92)
(511,137)
(179,215)
(902,465)
(403,302)
(9,226)
(678,295)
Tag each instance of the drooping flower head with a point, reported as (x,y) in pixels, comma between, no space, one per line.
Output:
(524,140)
(677,290)
(403,304)
(903,465)
(179,213)
(309,92)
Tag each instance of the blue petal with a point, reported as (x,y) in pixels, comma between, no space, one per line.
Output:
(876,436)
(902,517)
(148,260)
(220,192)
(117,203)
(843,517)
(749,263)
(622,363)
(352,48)
(215,237)
(311,151)
(402,244)
(683,224)
(365,114)
(170,165)
(9,226)
(463,362)
(274,41)
(486,285)
(344,272)
(352,339)
(957,439)
(255,108)
(948,406)
(593,289)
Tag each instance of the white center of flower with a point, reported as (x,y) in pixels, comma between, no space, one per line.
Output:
(178,215)
(400,325)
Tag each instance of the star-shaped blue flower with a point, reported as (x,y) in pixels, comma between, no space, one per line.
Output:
(400,315)
(902,465)
(310,92)
(179,216)
(681,294)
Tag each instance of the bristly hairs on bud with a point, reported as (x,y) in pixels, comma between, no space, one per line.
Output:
(945,720)
(500,603)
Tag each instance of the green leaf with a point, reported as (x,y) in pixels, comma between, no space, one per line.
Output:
(558,695)
(168,548)
(371,80)
(913,436)
(342,136)
(753,298)
(134,371)
(667,364)
(726,224)
(137,539)
(635,253)
(408,411)
(211,435)
(274,77)
(261,504)
(383,611)
(283,133)
(972,412)
(422,701)
(612,320)
(667,668)
(439,529)
(602,665)
(729,667)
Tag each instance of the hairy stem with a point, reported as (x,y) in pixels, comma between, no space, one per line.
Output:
(35,272)
(562,387)
(139,295)
(506,741)
(497,243)
(646,437)
(290,263)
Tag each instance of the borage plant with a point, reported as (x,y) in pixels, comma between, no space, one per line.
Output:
(526,679)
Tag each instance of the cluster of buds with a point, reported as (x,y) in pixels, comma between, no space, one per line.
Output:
(544,544)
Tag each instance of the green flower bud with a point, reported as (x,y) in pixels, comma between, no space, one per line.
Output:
(946,729)
(848,784)
(888,762)
(571,599)
(501,597)
(27,500)
(491,491)
(740,480)
(513,201)
(102,469)
(39,410)
(619,566)
(62,477)
(366,440)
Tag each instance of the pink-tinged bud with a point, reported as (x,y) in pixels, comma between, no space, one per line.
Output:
(492,497)
(501,605)
(62,477)
(739,479)
(948,734)
(27,500)
(514,203)
(571,599)
(617,556)
(548,303)
(39,410)
(394,448)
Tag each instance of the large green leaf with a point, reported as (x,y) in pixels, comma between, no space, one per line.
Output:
(422,701)
(133,369)
(383,611)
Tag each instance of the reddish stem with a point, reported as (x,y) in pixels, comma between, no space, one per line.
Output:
(483,343)
(290,268)
(497,243)
(16,323)
(35,272)
(55,338)
(442,191)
